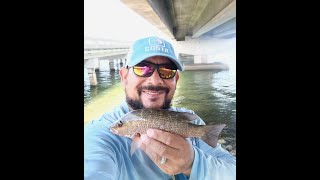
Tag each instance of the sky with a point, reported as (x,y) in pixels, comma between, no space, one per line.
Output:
(111,19)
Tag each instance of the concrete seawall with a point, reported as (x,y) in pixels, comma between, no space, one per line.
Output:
(205,66)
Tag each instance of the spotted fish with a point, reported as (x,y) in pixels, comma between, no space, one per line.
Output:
(180,123)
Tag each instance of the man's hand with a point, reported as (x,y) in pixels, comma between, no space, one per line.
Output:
(176,149)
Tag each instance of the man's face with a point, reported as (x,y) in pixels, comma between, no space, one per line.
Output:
(149,92)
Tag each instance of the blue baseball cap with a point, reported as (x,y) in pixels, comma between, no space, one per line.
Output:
(151,46)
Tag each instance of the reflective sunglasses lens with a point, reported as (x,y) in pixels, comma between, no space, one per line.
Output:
(143,71)
(166,73)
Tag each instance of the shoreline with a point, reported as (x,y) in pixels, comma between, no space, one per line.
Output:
(206,66)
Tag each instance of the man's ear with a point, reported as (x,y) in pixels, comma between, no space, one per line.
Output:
(123,75)
(177,76)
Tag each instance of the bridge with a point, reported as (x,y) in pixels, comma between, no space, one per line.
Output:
(203,33)
(97,49)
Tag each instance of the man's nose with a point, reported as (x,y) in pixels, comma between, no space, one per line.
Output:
(155,78)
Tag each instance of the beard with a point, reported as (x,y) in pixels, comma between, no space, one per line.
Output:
(137,104)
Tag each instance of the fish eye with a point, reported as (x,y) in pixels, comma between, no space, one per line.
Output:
(120,124)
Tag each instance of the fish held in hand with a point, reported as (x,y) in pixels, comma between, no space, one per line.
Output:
(180,123)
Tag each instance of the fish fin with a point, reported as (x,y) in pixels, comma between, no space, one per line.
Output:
(133,147)
(212,133)
(134,144)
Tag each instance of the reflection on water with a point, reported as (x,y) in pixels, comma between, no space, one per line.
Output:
(211,94)
(86,84)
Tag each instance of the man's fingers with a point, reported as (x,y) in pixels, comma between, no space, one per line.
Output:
(172,140)
(177,160)
(158,147)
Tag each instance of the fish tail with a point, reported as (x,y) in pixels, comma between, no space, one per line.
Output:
(212,132)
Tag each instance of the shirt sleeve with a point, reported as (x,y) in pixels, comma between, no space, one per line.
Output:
(99,158)
(213,163)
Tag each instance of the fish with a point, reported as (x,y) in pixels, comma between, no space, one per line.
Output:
(180,123)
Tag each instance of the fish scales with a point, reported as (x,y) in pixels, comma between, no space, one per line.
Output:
(171,121)
(168,122)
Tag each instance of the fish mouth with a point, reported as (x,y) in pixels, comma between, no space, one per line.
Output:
(113,131)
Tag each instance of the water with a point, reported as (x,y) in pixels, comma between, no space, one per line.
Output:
(106,80)
(211,94)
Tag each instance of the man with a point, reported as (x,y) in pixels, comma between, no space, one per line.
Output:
(149,79)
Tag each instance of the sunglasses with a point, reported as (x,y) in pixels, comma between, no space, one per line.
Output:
(146,69)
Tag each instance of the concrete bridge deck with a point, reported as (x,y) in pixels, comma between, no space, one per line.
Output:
(194,18)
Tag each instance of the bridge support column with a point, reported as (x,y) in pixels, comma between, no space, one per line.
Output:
(111,65)
(92,76)
(121,63)
(116,64)
(198,59)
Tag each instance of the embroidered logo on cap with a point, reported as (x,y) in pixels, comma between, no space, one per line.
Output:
(156,44)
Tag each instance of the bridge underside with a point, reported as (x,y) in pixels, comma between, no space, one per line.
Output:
(182,18)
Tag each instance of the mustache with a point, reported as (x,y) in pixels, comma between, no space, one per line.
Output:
(153,88)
